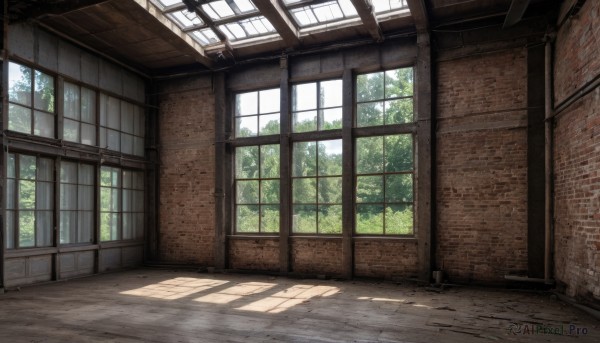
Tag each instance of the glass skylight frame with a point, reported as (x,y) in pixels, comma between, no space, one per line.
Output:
(253,27)
(386,7)
(175,17)
(222,9)
(322,13)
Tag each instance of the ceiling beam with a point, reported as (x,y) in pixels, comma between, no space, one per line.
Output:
(419,14)
(366,12)
(278,16)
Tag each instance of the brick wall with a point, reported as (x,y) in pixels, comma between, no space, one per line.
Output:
(577,157)
(254,254)
(481,184)
(386,259)
(577,49)
(187,168)
(316,256)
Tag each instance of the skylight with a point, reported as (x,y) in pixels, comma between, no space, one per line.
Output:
(221,9)
(247,28)
(383,6)
(167,3)
(322,12)
(205,36)
(185,19)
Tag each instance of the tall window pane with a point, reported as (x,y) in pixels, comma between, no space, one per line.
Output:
(79,123)
(29,201)
(384,185)
(121,204)
(121,126)
(76,203)
(317,187)
(257,189)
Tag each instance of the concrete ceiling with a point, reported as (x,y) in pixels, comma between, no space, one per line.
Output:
(135,33)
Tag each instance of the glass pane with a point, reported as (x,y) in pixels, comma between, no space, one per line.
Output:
(268,124)
(85,227)
(247,218)
(127,226)
(304,121)
(43,124)
(369,188)
(246,126)
(68,227)
(71,101)
(19,84)
(304,97)
(26,229)
(114,113)
(369,114)
(11,189)
(330,119)
(330,190)
(127,179)
(105,198)
(304,191)
(138,201)
(399,220)
(369,87)
(11,166)
(9,227)
(85,197)
(86,174)
(109,226)
(246,104)
(19,118)
(27,167)
(269,218)
(88,134)
(44,196)
(369,219)
(399,111)
(88,105)
(139,225)
(127,117)
(138,180)
(102,139)
(330,219)
(115,200)
(269,101)
(45,170)
(331,93)
(398,153)
(246,162)
(304,219)
(26,195)
(68,197)
(71,130)
(43,97)
(103,109)
(138,146)
(139,122)
(113,140)
(399,188)
(369,155)
(269,161)
(330,157)
(127,200)
(304,159)
(269,192)
(126,143)
(247,192)
(399,83)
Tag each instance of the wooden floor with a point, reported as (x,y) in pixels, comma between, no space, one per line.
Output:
(179,306)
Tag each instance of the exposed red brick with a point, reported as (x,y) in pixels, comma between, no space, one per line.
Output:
(187,171)
(481,173)
(386,259)
(254,254)
(316,256)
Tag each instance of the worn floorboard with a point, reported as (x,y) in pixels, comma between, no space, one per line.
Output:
(148,305)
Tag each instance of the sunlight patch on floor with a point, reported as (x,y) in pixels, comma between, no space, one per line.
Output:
(175,288)
(289,298)
(236,292)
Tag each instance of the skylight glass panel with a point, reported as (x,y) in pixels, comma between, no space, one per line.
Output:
(185,19)
(244,6)
(205,36)
(247,28)
(382,6)
(167,3)
(323,12)
(218,9)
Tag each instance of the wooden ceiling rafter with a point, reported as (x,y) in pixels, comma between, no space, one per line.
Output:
(367,15)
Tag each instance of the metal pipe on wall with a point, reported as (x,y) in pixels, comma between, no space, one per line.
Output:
(548,161)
